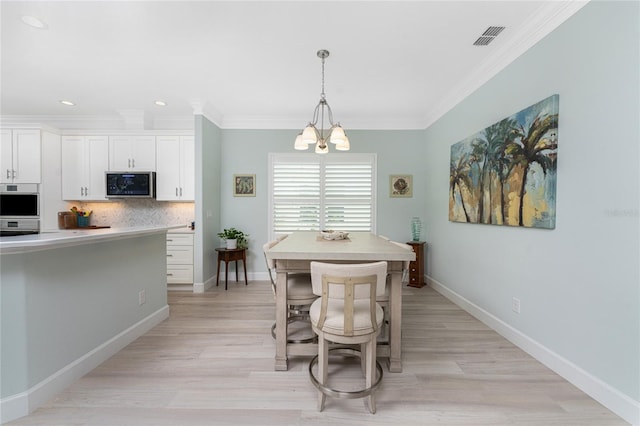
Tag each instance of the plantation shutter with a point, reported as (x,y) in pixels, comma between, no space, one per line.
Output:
(310,192)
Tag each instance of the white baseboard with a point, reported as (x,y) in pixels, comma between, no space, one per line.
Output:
(19,405)
(613,399)
(211,282)
(202,287)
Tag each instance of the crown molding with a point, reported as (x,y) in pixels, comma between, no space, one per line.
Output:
(547,18)
(60,123)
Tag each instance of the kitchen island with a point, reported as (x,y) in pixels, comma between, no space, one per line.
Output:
(70,300)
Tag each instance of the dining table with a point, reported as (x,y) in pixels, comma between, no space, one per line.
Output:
(295,253)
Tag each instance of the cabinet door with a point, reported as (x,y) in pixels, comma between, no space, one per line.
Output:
(167,168)
(119,153)
(26,156)
(6,156)
(132,153)
(187,168)
(73,167)
(143,153)
(97,160)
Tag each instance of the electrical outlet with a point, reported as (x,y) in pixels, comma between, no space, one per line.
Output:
(515,305)
(141,297)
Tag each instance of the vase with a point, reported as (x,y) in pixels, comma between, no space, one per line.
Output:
(416,228)
(83,221)
(232,244)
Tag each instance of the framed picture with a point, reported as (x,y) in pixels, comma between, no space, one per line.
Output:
(244,185)
(401,186)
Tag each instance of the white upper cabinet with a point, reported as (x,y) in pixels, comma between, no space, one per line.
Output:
(84,163)
(20,156)
(175,168)
(132,153)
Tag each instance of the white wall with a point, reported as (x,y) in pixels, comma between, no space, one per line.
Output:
(578,284)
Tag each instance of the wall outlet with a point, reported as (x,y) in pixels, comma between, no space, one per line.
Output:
(515,305)
(142,298)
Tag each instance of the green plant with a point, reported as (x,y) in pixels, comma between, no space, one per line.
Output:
(234,234)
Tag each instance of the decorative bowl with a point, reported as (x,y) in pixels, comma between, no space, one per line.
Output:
(334,235)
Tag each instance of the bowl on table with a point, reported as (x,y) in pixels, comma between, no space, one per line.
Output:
(334,235)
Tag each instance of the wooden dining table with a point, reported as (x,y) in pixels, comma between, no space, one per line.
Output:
(295,254)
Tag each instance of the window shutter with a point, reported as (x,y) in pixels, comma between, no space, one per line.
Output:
(310,192)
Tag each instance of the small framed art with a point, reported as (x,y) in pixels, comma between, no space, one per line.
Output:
(401,186)
(244,185)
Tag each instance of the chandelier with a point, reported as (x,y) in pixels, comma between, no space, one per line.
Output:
(312,135)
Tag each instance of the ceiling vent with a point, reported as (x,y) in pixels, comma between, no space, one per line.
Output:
(488,36)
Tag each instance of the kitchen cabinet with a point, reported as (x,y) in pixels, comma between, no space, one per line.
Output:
(416,267)
(132,153)
(175,168)
(179,258)
(84,163)
(20,156)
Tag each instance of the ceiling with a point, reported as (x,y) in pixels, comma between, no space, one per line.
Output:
(253,64)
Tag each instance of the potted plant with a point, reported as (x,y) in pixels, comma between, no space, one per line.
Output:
(234,238)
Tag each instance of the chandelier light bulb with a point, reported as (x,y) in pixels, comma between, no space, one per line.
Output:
(337,135)
(309,135)
(299,144)
(320,149)
(343,146)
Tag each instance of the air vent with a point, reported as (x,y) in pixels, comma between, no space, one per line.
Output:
(488,36)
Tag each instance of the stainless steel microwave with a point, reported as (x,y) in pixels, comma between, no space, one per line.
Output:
(131,184)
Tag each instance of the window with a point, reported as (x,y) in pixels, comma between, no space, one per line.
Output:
(310,192)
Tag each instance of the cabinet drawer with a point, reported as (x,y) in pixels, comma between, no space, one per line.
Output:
(179,274)
(180,255)
(414,279)
(179,240)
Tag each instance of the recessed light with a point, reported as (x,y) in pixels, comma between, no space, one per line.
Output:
(67,103)
(160,103)
(34,22)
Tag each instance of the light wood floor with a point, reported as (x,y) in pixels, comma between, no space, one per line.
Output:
(211,363)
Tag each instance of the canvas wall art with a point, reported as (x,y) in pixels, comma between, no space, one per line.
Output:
(244,185)
(506,174)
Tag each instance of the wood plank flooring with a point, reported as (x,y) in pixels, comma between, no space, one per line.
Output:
(211,363)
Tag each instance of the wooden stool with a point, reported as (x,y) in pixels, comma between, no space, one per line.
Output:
(229,255)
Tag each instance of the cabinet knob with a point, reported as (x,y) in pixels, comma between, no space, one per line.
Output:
(133,163)
(8,173)
(181,192)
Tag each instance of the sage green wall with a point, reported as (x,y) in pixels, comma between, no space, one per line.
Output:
(246,152)
(579,283)
(208,140)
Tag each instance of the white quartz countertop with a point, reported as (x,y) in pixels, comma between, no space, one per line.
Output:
(74,237)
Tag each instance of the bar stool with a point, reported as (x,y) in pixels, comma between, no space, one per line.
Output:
(299,295)
(347,313)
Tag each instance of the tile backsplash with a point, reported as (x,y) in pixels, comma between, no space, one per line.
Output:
(138,212)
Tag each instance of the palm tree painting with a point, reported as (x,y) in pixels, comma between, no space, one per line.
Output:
(506,174)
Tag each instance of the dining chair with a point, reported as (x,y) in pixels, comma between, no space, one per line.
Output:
(347,313)
(299,295)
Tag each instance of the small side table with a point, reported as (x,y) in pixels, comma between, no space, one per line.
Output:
(416,267)
(229,255)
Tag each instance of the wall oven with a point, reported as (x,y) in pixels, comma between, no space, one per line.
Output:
(19,209)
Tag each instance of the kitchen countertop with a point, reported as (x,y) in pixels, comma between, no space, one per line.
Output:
(74,237)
